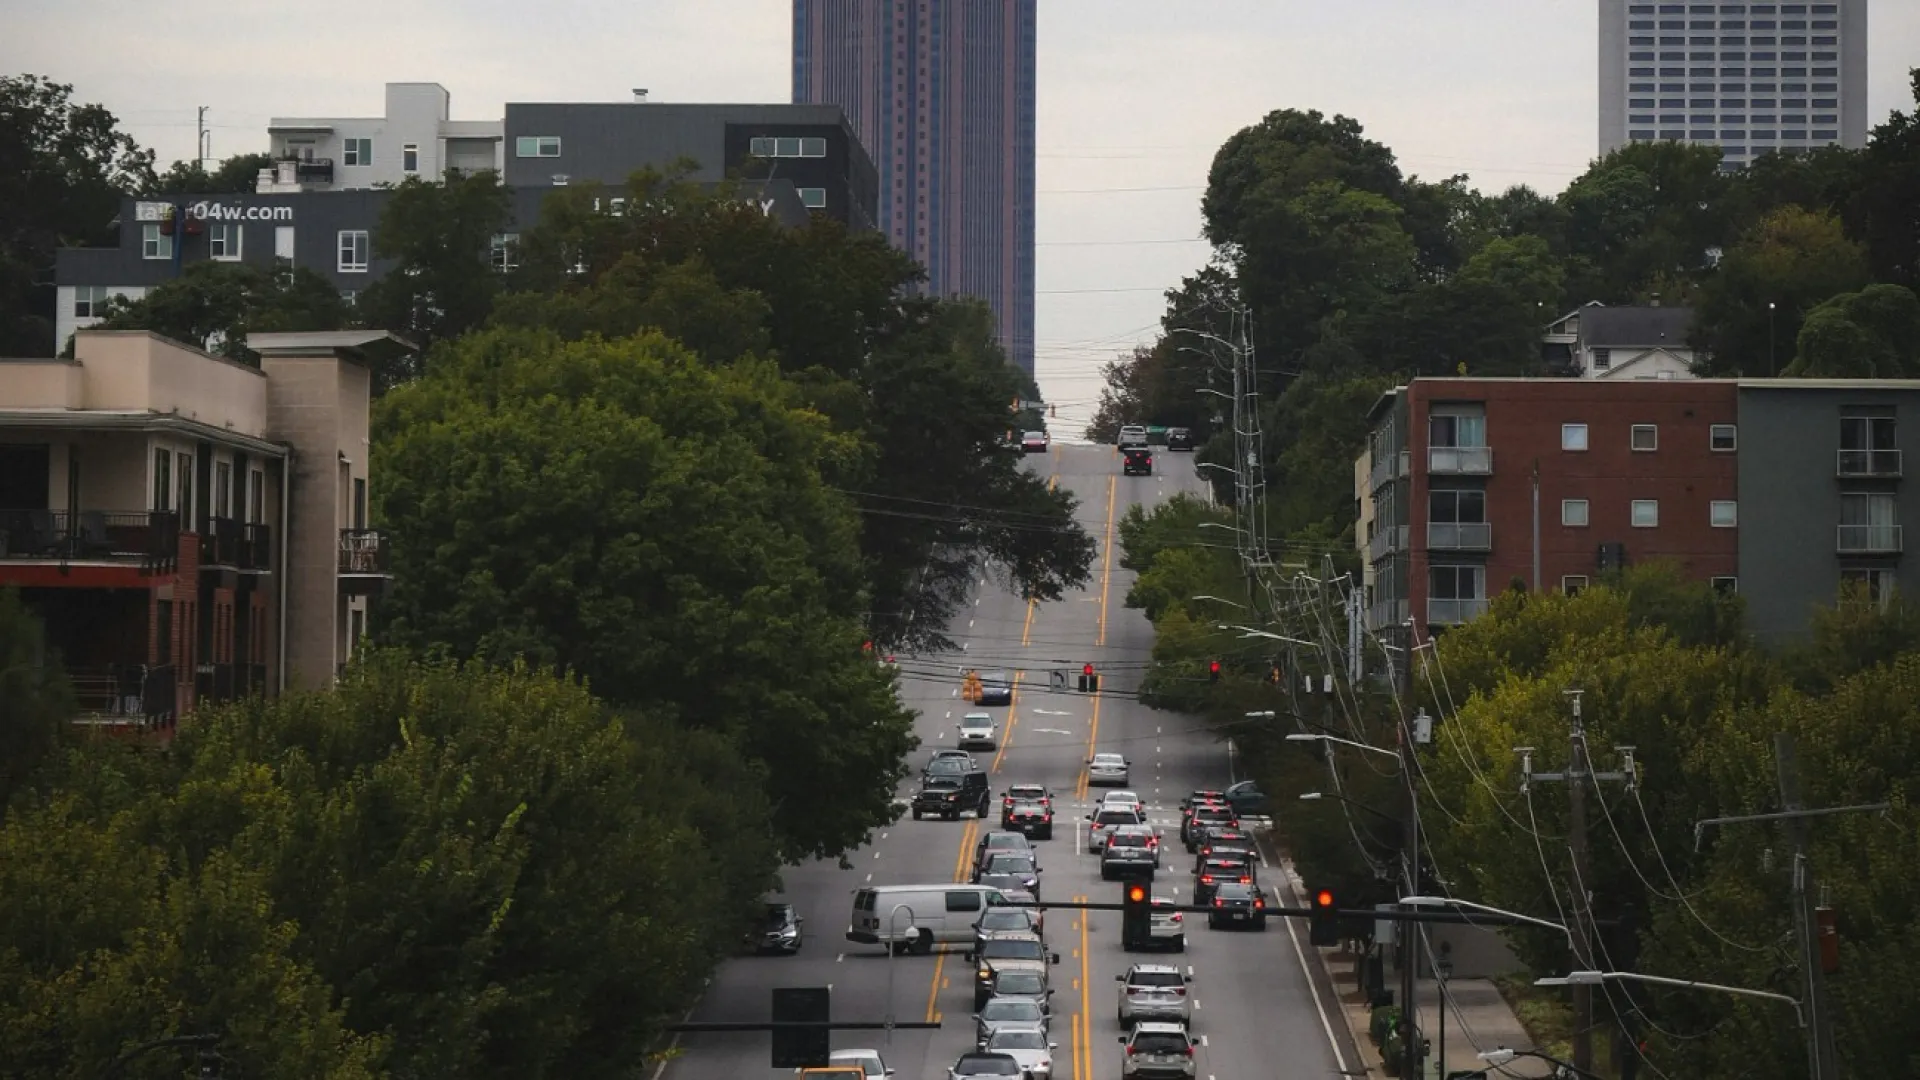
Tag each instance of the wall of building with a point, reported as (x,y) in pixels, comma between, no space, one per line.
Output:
(140,371)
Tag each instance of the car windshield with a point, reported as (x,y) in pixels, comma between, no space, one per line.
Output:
(1156,978)
(1128,839)
(1006,841)
(1005,920)
(947,765)
(981,1065)
(1235,891)
(1011,862)
(1020,983)
(1016,949)
(1000,1010)
(1155,1042)
(1018,1040)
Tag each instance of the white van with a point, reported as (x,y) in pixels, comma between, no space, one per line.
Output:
(883,914)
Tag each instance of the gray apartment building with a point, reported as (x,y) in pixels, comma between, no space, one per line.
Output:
(319,206)
(1750,78)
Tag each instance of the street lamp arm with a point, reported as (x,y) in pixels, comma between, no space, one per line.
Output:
(202,1041)
(1448,901)
(1694,984)
(1251,632)
(1303,736)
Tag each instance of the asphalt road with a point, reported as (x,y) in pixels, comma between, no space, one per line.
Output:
(1254,1010)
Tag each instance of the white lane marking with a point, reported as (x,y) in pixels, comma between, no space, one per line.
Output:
(963,645)
(883,836)
(1157,731)
(949,714)
(1051,731)
(876,854)
(955,693)
(840,958)
(1189,971)
(869,879)
(1319,1006)
(1049,712)
(969,624)
(1203,1038)
(976,601)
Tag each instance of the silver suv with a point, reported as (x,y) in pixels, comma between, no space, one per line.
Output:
(1154,992)
(1158,1052)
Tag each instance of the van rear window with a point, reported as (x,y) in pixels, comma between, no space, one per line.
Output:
(863,900)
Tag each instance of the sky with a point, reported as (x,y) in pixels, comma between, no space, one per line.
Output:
(1134,98)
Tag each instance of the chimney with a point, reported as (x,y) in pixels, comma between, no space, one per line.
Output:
(639,95)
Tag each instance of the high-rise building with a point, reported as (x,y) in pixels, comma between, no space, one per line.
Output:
(941,92)
(1749,78)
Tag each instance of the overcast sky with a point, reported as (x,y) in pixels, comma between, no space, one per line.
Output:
(1135,96)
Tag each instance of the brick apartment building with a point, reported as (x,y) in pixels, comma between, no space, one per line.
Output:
(189,528)
(1777,488)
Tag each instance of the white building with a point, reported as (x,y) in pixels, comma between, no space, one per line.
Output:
(1747,77)
(1600,342)
(416,137)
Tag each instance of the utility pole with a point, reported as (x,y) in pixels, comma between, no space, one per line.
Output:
(1536,526)
(200,139)
(1823,1057)
(1408,947)
(1579,773)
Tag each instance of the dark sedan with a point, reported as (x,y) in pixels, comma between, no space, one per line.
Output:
(1237,904)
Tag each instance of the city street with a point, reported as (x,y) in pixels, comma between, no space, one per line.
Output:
(1255,1014)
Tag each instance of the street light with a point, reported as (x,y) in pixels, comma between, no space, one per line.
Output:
(1223,600)
(1310,736)
(1251,632)
(1313,796)
(1212,465)
(1448,901)
(1595,978)
(1220,525)
(1215,393)
(1505,1055)
(893,950)
(1771,369)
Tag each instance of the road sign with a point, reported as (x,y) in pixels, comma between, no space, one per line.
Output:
(796,1048)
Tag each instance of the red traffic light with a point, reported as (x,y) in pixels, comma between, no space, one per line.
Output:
(1086,669)
(1214,667)
(1136,893)
(1323,898)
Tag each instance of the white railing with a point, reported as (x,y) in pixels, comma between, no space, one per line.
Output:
(1454,612)
(1460,460)
(1867,463)
(1868,539)
(1460,535)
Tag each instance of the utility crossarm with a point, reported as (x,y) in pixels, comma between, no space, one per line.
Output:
(1700,827)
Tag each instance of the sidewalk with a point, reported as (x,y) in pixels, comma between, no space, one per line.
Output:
(1479,1020)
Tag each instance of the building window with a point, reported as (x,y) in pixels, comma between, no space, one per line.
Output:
(1455,594)
(506,251)
(162,480)
(1725,584)
(256,496)
(356,152)
(537,146)
(350,297)
(813,197)
(1646,513)
(410,158)
(223,241)
(1573,584)
(353,251)
(183,489)
(1603,358)
(153,244)
(1573,436)
(1869,446)
(1645,437)
(1573,512)
(1869,521)
(1723,513)
(1878,583)
(222,489)
(1723,438)
(90,301)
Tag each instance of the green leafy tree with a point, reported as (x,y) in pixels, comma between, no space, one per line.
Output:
(36,701)
(1752,310)
(1644,213)
(1871,334)
(1888,194)
(239,174)
(443,281)
(662,528)
(66,168)
(215,305)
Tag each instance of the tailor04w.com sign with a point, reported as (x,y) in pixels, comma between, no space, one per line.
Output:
(211,210)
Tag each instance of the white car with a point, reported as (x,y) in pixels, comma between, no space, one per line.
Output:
(1029,1047)
(1107,769)
(1122,798)
(869,1061)
(977,730)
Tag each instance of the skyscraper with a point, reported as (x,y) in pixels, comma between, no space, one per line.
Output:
(1747,77)
(942,94)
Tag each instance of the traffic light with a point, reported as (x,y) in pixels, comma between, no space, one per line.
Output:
(1136,916)
(1323,926)
(1276,676)
(1089,682)
(800,1047)
(1213,671)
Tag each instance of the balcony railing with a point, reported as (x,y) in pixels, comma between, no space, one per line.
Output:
(1454,612)
(1460,460)
(148,536)
(228,542)
(1386,540)
(311,170)
(363,552)
(229,682)
(1459,536)
(1867,539)
(1392,466)
(1386,613)
(1855,463)
(130,695)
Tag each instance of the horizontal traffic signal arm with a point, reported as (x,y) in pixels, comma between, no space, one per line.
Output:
(1397,915)
(810,1025)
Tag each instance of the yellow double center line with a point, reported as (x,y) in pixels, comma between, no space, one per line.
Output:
(1082,1029)
(1106,582)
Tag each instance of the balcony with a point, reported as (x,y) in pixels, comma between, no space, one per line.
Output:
(1867,539)
(151,538)
(229,682)
(1386,540)
(1387,613)
(1854,464)
(1392,466)
(1455,612)
(1460,460)
(310,170)
(363,561)
(131,697)
(1459,536)
(231,543)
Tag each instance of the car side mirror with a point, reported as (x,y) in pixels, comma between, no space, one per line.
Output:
(1119,978)
(1122,1040)
(1056,959)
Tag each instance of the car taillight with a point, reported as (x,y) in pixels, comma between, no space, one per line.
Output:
(1180,991)
(1246,881)
(1176,916)
(1217,902)
(1206,879)
(1189,1049)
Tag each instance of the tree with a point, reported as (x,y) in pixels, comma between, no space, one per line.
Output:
(444,279)
(1871,334)
(1791,262)
(67,167)
(1889,195)
(36,701)
(660,527)
(238,174)
(1645,212)
(215,305)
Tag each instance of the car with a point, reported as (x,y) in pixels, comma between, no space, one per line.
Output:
(1010,950)
(1123,798)
(1008,920)
(1031,819)
(1039,793)
(833,1072)
(1246,798)
(1202,816)
(1017,979)
(1009,870)
(1131,851)
(870,1062)
(1034,442)
(1158,1052)
(1202,795)
(978,731)
(1216,871)
(948,794)
(1231,844)
(1167,928)
(1154,992)
(1108,769)
(1006,1012)
(1137,461)
(779,930)
(1028,1046)
(996,688)
(981,1063)
(945,753)
(948,763)
(1237,904)
(996,841)
(1179,438)
(1131,435)
(1105,820)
